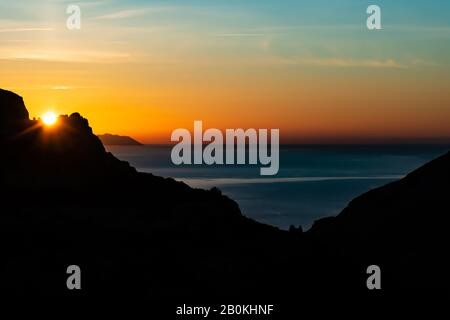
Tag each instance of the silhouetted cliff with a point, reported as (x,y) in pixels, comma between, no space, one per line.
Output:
(65,200)
(13,114)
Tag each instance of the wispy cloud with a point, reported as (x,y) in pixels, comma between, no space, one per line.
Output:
(369,63)
(339,62)
(418,28)
(241,35)
(130,13)
(68,56)
(17,40)
(64,88)
(424,63)
(120,15)
(273,30)
(25,29)
(89,4)
(49,87)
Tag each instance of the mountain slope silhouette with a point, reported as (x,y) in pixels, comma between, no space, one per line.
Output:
(65,201)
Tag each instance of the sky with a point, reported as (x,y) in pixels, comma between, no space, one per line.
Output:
(309,68)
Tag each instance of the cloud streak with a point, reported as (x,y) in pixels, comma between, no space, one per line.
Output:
(340,62)
(241,35)
(68,56)
(25,29)
(131,13)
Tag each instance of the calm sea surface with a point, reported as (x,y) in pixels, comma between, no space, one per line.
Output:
(313,181)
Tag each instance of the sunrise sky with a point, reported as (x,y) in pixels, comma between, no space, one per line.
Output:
(310,68)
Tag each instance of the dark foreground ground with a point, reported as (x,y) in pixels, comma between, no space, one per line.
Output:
(65,201)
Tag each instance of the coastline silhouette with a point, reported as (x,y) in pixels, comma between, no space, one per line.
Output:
(117,140)
(66,200)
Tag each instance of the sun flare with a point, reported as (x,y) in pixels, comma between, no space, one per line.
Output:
(49,118)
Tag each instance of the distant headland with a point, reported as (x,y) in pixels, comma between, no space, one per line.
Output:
(116,140)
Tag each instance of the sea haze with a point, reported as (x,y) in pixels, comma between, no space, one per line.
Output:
(313,182)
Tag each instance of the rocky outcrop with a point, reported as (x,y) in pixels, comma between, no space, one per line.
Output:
(13,114)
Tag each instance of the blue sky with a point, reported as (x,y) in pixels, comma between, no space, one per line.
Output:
(311,32)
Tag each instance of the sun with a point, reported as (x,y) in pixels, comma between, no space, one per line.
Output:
(49,118)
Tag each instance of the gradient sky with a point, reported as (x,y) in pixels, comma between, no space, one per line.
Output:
(310,68)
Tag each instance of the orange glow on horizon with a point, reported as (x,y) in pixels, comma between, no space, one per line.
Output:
(307,106)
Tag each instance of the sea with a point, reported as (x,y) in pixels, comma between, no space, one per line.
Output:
(314,181)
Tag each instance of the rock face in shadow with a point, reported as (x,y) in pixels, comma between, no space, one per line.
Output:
(65,201)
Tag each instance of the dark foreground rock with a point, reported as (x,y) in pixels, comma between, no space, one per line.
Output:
(65,201)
